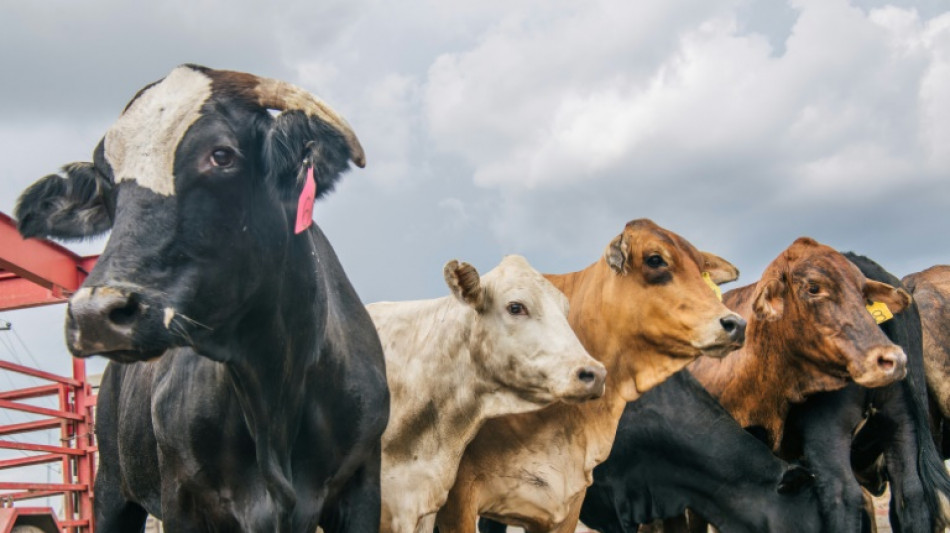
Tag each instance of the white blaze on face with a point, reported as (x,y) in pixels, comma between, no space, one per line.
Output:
(141,145)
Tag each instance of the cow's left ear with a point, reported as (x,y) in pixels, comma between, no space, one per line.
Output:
(720,270)
(896,299)
(464,283)
(73,204)
(297,141)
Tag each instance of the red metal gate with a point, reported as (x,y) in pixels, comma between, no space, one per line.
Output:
(36,273)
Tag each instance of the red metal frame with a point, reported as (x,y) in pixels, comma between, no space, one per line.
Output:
(35,272)
(32,273)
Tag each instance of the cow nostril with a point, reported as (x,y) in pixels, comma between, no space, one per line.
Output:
(586,375)
(123,315)
(729,324)
(886,363)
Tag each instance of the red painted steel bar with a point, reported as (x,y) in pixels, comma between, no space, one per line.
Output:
(35,272)
(30,392)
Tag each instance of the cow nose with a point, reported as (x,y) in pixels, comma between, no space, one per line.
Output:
(735,328)
(101,319)
(883,365)
(593,378)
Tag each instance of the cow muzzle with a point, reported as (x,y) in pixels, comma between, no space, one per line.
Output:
(883,365)
(110,321)
(587,383)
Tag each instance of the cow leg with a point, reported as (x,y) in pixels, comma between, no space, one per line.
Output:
(115,514)
(826,443)
(359,504)
(459,514)
(908,506)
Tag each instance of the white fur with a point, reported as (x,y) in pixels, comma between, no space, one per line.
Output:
(141,145)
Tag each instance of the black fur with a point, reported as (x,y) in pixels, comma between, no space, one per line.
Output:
(68,206)
(265,407)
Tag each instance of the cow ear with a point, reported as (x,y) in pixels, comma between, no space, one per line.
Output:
(896,299)
(617,255)
(465,284)
(720,270)
(795,479)
(298,141)
(71,205)
(768,301)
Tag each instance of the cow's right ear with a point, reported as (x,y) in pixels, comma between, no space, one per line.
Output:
(768,301)
(73,204)
(465,284)
(795,479)
(617,255)
(720,270)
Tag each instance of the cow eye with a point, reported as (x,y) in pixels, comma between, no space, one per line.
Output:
(222,157)
(813,288)
(517,308)
(655,261)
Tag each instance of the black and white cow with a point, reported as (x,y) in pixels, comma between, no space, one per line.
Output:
(264,398)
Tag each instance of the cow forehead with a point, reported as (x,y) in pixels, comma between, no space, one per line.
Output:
(141,145)
(514,274)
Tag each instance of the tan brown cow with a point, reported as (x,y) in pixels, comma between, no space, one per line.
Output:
(645,311)
(809,331)
(931,290)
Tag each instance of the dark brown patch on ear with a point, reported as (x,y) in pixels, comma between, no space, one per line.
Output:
(616,255)
(768,300)
(896,299)
(464,282)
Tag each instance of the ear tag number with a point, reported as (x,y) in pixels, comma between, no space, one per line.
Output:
(880,312)
(712,285)
(305,203)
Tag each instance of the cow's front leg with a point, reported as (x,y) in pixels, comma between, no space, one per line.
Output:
(357,508)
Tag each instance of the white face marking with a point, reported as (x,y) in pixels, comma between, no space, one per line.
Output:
(169,315)
(141,145)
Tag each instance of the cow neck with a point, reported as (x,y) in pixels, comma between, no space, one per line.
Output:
(585,290)
(466,396)
(276,343)
(757,383)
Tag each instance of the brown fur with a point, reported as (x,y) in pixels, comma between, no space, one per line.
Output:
(642,323)
(797,343)
(931,289)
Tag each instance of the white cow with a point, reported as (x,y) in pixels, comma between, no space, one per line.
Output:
(500,344)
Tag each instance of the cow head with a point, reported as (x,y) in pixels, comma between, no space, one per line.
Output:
(522,337)
(813,302)
(200,185)
(660,301)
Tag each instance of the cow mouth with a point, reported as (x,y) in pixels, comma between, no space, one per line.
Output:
(123,356)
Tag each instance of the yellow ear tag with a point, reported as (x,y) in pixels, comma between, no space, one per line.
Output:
(880,312)
(712,285)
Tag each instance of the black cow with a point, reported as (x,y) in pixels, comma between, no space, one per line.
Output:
(265,406)
(677,447)
(893,441)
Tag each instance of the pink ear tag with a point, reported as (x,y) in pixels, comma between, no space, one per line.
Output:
(305,203)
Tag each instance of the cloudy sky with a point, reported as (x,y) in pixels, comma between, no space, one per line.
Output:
(536,127)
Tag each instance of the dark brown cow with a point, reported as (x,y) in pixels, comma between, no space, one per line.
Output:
(809,331)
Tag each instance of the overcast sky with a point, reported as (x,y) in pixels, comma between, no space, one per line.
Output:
(536,127)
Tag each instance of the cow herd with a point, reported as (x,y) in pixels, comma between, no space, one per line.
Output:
(249,389)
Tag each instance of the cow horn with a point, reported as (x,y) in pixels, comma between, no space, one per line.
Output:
(283,96)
